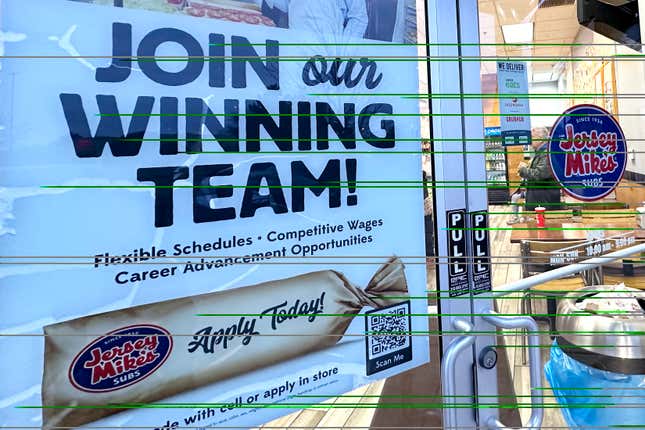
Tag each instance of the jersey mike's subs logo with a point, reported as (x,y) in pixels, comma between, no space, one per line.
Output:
(121,358)
(587,152)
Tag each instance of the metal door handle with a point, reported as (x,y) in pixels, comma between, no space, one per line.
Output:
(535,366)
(448,377)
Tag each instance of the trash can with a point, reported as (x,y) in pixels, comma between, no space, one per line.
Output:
(597,363)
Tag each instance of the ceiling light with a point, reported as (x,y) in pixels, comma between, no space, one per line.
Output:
(518,33)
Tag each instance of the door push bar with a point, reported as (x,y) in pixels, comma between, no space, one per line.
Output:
(535,366)
(460,344)
(448,375)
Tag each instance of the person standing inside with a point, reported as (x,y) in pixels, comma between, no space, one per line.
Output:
(541,187)
(520,193)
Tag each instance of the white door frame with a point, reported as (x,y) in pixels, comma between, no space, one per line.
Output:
(451,24)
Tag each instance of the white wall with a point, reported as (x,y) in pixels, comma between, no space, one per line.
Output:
(630,79)
(550,105)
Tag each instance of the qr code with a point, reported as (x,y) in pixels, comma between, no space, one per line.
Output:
(390,322)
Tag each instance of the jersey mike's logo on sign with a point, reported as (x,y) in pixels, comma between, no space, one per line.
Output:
(587,152)
(120,359)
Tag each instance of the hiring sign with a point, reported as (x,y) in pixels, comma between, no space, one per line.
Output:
(513,87)
(587,152)
(168,166)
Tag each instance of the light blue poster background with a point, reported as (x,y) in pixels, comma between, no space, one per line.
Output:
(514,106)
(36,150)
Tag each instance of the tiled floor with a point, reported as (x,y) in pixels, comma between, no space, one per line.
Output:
(505,270)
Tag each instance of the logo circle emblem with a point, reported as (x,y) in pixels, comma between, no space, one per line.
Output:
(121,358)
(587,152)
